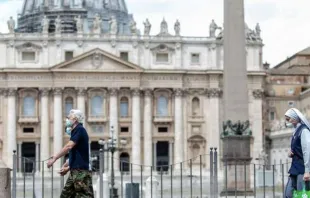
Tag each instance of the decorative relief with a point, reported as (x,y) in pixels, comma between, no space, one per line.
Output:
(258,93)
(195,91)
(10,43)
(135,44)
(11,92)
(44,43)
(58,43)
(113,91)
(70,91)
(136,92)
(57,91)
(97,60)
(214,92)
(113,43)
(178,92)
(81,91)
(80,43)
(44,91)
(238,128)
(148,92)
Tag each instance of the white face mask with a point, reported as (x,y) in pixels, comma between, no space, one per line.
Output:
(289,125)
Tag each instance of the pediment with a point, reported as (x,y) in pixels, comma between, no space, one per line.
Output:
(97,60)
(28,46)
(162,48)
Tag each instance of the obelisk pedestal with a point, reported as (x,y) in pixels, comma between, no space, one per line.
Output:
(236,134)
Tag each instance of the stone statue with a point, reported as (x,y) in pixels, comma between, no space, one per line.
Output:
(212,28)
(164,27)
(11,25)
(79,24)
(133,27)
(113,25)
(257,30)
(58,25)
(97,24)
(147,27)
(45,24)
(177,28)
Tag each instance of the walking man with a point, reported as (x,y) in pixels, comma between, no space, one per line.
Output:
(300,152)
(79,183)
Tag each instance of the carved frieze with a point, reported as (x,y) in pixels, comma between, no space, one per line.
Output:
(214,92)
(258,93)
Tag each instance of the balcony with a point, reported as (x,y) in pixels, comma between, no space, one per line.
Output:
(163,119)
(125,119)
(28,119)
(97,119)
(196,118)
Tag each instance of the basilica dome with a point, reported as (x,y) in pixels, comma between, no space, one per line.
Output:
(33,11)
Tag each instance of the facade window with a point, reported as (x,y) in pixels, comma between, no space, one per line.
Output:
(124,162)
(195,58)
(162,106)
(162,129)
(124,56)
(97,128)
(271,115)
(162,57)
(68,55)
(97,106)
(124,107)
(29,106)
(28,130)
(68,105)
(124,129)
(195,106)
(28,56)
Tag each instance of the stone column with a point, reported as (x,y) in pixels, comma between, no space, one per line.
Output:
(257,120)
(45,134)
(147,130)
(58,125)
(213,95)
(114,121)
(19,157)
(11,126)
(11,57)
(37,157)
(136,129)
(81,100)
(236,144)
(178,126)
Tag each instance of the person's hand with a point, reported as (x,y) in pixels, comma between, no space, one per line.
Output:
(307,177)
(290,154)
(64,170)
(51,162)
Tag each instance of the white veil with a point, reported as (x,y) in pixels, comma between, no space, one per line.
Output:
(296,114)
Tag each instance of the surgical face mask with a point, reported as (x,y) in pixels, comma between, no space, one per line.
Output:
(68,131)
(68,123)
(289,124)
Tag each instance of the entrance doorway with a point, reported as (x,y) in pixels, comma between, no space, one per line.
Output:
(162,156)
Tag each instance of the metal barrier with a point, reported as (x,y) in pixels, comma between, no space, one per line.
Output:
(200,177)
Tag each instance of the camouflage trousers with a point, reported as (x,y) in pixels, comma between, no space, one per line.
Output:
(78,185)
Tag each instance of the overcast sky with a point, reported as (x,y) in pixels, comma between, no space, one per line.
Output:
(284,25)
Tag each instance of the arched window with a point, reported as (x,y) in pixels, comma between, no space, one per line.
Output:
(162,106)
(124,107)
(195,106)
(124,162)
(68,105)
(195,151)
(29,106)
(97,106)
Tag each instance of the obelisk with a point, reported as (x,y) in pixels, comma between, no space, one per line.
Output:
(236,130)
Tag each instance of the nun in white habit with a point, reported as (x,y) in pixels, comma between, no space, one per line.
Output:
(299,172)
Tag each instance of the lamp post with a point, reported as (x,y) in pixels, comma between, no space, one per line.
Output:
(112,147)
